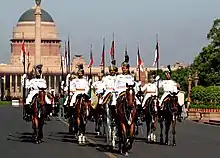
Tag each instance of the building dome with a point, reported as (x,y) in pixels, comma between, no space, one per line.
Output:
(29,16)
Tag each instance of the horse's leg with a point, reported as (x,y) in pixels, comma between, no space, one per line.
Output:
(174,132)
(37,129)
(148,127)
(161,129)
(125,140)
(132,129)
(167,128)
(153,128)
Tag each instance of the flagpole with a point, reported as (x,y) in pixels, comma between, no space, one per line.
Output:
(68,50)
(24,87)
(113,56)
(103,56)
(157,49)
(139,70)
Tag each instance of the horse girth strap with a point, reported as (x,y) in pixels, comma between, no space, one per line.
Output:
(107,98)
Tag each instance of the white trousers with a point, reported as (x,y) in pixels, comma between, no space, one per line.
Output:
(31,95)
(148,95)
(73,99)
(165,95)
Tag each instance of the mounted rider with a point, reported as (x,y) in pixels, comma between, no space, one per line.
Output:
(98,85)
(150,89)
(70,86)
(168,86)
(80,85)
(34,84)
(125,77)
(109,82)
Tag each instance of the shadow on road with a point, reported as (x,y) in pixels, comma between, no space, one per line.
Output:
(21,137)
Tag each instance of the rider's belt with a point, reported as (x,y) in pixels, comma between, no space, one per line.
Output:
(121,87)
(80,89)
(110,88)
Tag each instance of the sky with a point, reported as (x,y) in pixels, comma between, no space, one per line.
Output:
(182,26)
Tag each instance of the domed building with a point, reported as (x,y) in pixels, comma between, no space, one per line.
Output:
(50,52)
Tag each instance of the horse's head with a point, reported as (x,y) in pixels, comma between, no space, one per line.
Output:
(41,96)
(173,100)
(130,94)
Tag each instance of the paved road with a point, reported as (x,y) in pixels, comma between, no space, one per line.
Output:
(193,140)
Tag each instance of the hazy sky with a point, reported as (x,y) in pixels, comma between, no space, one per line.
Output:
(182,26)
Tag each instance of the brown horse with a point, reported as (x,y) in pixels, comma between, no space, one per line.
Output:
(126,113)
(38,115)
(150,114)
(81,112)
(168,115)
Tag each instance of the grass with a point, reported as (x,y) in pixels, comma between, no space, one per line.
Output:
(2,103)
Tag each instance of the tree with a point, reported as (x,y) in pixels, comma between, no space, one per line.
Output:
(208,61)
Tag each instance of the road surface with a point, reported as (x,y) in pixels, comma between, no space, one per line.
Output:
(193,140)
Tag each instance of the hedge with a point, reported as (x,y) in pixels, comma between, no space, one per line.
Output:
(206,95)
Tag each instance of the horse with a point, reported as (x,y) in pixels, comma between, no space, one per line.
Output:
(38,114)
(81,112)
(126,114)
(168,115)
(109,116)
(98,114)
(150,114)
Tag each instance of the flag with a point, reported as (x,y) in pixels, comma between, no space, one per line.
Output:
(103,54)
(23,51)
(91,58)
(126,55)
(156,54)
(140,63)
(112,51)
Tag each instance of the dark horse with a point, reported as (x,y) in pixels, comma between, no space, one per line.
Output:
(126,113)
(38,115)
(150,114)
(80,115)
(168,114)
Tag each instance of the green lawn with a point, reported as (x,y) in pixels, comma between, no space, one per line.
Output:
(3,103)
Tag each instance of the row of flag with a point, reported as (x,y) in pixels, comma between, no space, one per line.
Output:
(65,57)
(140,63)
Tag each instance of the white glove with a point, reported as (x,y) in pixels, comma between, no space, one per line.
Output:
(157,78)
(90,81)
(68,76)
(24,76)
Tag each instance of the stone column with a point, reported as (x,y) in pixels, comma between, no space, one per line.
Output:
(4,84)
(38,35)
(49,82)
(10,88)
(16,85)
(55,83)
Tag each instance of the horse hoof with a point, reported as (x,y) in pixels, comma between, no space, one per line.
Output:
(126,154)
(174,144)
(166,143)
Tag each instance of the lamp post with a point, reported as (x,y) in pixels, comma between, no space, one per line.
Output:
(196,78)
(189,90)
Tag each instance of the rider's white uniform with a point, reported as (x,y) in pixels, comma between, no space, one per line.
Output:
(168,86)
(151,91)
(120,85)
(81,86)
(72,88)
(99,86)
(34,85)
(109,84)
